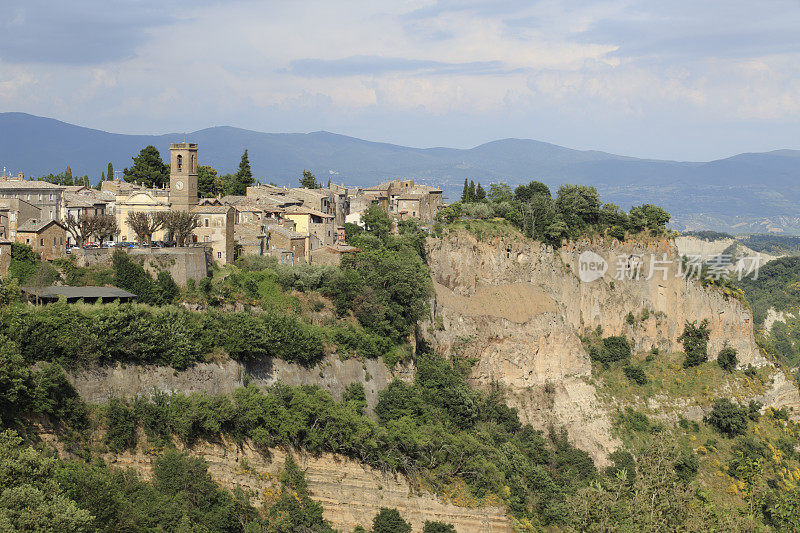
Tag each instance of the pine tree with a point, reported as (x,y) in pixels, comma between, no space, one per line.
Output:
(102,176)
(471,192)
(110,173)
(244,174)
(68,176)
(148,169)
(480,194)
(465,191)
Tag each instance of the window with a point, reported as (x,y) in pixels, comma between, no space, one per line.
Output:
(193,168)
(41,242)
(40,197)
(205,222)
(205,238)
(180,162)
(61,240)
(55,241)
(219,255)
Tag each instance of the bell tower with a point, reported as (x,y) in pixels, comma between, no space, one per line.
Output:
(182,176)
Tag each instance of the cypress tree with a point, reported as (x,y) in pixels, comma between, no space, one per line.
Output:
(110,173)
(465,191)
(471,192)
(480,193)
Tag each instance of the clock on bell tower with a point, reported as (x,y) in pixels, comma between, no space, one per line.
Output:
(182,176)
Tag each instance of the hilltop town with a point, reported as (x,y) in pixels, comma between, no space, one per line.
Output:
(296,225)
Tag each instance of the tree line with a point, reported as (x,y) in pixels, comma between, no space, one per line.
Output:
(574,211)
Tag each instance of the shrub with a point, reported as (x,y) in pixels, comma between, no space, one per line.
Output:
(695,343)
(614,349)
(634,420)
(727,359)
(622,460)
(438,527)
(389,521)
(121,421)
(728,418)
(630,319)
(635,374)
(687,466)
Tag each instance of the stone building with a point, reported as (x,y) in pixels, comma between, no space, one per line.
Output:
(312,222)
(5,256)
(43,195)
(216,230)
(47,237)
(16,212)
(183,176)
(140,201)
(289,246)
(331,254)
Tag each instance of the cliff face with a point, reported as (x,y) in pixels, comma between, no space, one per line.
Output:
(351,494)
(99,385)
(517,307)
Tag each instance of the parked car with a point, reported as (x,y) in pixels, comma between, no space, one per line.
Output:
(109,244)
(127,244)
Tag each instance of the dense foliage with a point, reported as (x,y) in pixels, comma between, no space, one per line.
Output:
(574,211)
(777,286)
(436,429)
(82,335)
(695,343)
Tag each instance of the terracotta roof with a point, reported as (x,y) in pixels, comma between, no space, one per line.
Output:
(211,209)
(338,248)
(29,184)
(33,225)
(286,232)
(303,210)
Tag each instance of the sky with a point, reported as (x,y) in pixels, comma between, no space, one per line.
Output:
(686,80)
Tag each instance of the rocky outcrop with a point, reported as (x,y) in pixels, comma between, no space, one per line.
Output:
(350,493)
(98,385)
(517,307)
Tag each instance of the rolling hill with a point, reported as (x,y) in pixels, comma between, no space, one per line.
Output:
(754,192)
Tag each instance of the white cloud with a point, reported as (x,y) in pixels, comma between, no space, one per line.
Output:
(494,68)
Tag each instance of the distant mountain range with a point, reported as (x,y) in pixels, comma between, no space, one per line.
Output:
(746,193)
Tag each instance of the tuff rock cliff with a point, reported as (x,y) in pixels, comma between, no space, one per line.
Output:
(517,307)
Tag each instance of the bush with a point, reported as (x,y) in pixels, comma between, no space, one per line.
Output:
(687,466)
(635,374)
(121,421)
(438,527)
(389,521)
(622,460)
(612,350)
(728,418)
(695,343)
(727,359)
(634,420)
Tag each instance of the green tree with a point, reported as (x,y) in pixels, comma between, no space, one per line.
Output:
(377,221)
(209,183)
(727,358)
(244,175)
(438,527)
(148,169)
(728,418)
(471,192)
(525,193)
(309,181)
(480,193)
(465,192)
(30,498)
(110,172)
(389,521)
(695,343)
